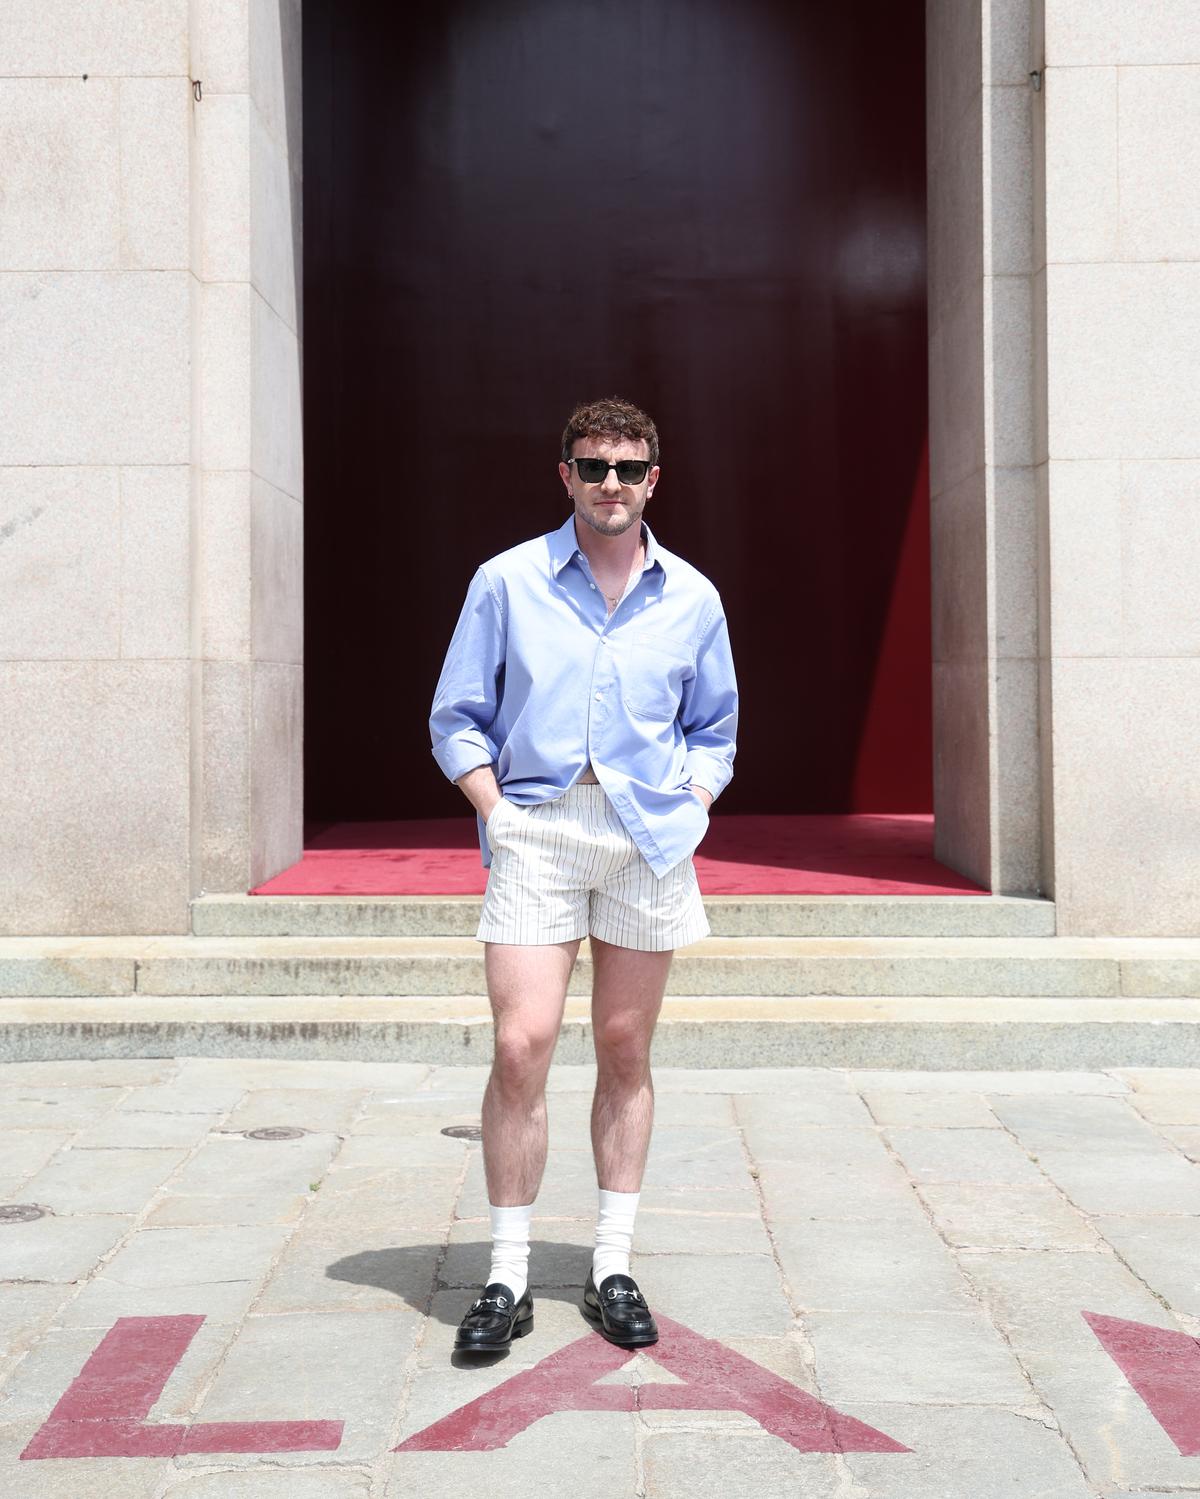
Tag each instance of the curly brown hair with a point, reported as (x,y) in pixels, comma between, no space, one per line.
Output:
(613,419)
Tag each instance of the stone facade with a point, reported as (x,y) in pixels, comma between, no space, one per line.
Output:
(150,458)
(151,484)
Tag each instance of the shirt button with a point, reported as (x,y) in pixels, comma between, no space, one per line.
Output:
(592,586)
(599,696)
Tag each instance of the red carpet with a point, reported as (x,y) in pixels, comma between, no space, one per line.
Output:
(858,854)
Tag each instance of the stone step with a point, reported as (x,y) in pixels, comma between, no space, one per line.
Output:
(729,915)
(918,1032)
(1167,967)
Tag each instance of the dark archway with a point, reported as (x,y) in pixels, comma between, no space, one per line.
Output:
(714,209)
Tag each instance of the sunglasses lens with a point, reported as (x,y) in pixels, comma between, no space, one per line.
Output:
(592,470)
(632,470)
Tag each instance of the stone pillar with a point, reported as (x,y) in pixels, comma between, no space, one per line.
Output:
(247,442)
(980,116)
(150,444)
(1120,473)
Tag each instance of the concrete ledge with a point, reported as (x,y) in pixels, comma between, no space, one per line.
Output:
(785,967)
(925,1032)
(34,965)
(729,916)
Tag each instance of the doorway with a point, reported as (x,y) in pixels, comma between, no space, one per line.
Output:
(716,211)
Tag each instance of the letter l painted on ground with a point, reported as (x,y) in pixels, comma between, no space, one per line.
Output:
(104,1410)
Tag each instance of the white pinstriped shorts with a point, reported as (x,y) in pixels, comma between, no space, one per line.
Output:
(567,868)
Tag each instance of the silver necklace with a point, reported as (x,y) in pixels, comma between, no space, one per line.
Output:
(608,598)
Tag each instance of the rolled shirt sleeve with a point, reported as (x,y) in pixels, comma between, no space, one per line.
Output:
(708,711)
(466,699)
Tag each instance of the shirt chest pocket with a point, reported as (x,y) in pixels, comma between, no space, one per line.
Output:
(655,668)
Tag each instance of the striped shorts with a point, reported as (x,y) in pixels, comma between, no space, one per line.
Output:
(567,868)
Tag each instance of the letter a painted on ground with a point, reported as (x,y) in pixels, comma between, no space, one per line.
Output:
(714,1378)
(106,1405)
(1163,1366)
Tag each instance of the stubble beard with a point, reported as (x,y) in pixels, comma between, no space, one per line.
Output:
(613,527)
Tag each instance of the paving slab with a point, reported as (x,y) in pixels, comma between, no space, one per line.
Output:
(320,1481)
(60,1250)
(1004,1084)
(1038,1301)
(962,1155)
(1030,1216)
(133,1072)
(318,1110)
(1164,1253)
(24,1152)
(836,1266)
(268,1168)
(715,1464)
(215,1272)
(281,1073)
(918,1358)
(78,1478)
(144,1130)
(1185,1138)
(832,1173)
(919,1256)
(1125,1182)
(1168,1108)
(936,1110)
(25,1312)
(37,1106)
(186,1094)
(104,1181)
(589,1455)
(356,1268)
(980,1452)
(338,1366)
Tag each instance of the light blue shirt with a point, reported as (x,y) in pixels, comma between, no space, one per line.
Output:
(539,679)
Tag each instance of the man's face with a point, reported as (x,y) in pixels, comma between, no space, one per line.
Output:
(608,507)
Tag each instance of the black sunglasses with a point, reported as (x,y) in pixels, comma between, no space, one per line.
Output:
(595,470)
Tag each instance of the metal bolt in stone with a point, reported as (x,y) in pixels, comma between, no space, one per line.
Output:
(276,1132)
(464,1131)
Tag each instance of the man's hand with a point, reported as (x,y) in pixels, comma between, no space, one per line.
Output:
(704,794)
(481,789)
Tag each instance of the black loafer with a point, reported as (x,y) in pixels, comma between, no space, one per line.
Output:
(621,1310)
(494,1320)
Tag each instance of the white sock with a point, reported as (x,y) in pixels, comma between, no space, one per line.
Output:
(614,1234)
(510,1247)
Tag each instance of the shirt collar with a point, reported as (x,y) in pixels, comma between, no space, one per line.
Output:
(563,546)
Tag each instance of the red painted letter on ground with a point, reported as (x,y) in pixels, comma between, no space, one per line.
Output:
(1163,1366)
(714,1378)
(104,1410)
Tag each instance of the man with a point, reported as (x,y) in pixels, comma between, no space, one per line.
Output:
(587,708)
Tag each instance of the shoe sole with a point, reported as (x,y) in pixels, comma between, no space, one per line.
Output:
(640,1341)
(520,1330)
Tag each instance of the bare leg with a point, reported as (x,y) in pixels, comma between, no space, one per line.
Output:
(527,986)
(627,992)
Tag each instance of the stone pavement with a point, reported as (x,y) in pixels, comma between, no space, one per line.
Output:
(873,1286)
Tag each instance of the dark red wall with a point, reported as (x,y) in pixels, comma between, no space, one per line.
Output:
(715,210)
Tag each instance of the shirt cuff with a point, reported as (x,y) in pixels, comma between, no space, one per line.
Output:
(464,752)
(703,770)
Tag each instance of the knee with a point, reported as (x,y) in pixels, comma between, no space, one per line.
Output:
(622,1048)
(522,1057)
